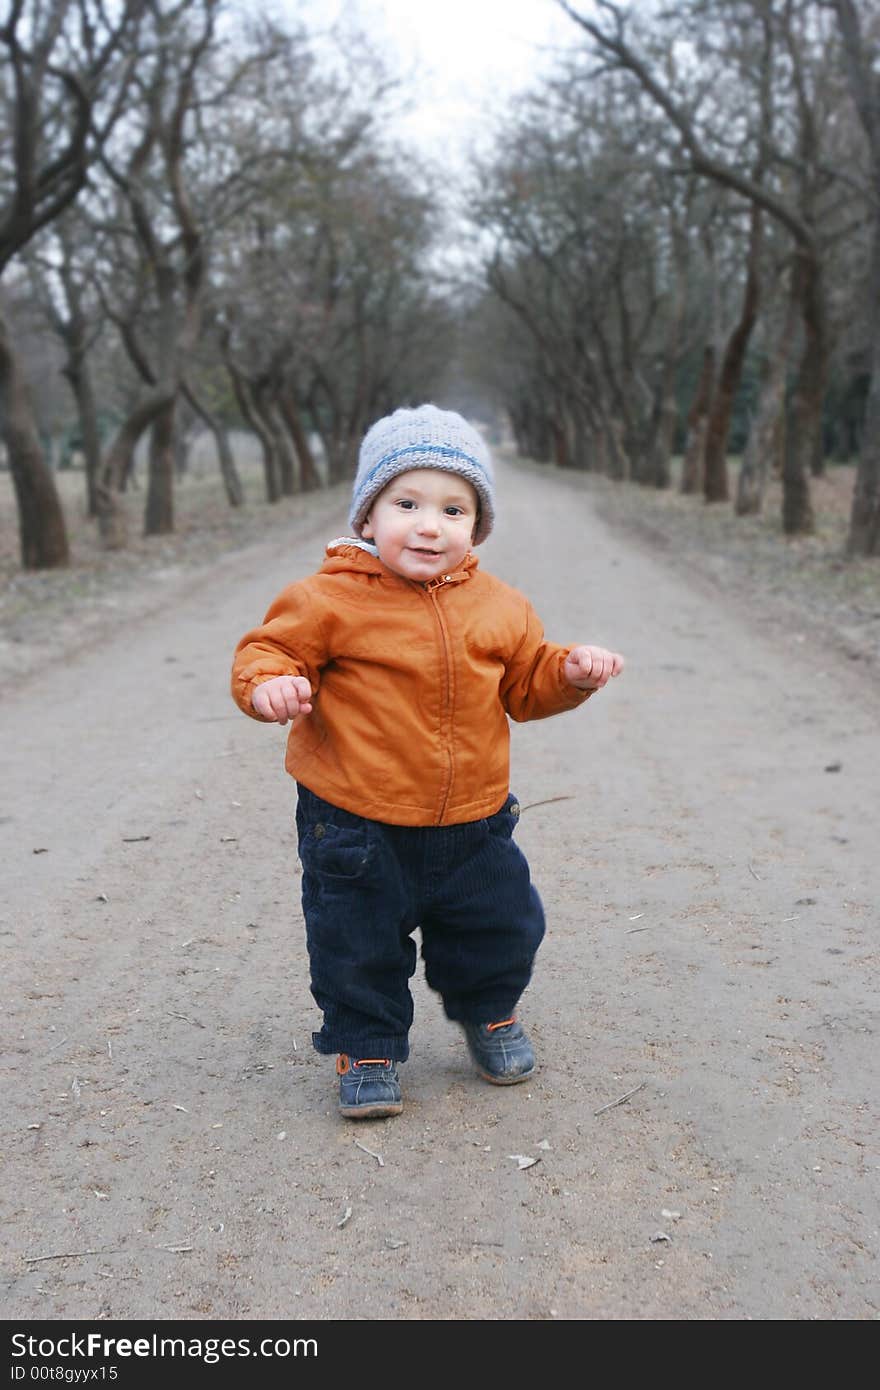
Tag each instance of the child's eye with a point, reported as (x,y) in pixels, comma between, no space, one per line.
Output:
(406,504)
(454,511)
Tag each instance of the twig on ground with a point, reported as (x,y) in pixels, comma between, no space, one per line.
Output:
(548,802)
(754,875)
(620,1099)
(65,1255)
(378,1157)
(186,1018)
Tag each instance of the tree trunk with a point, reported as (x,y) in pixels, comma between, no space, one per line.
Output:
(181,444)
(764,451)
(159,507)
(636,444)
(308,468)
(864,81)
(42,532)
(329,424)
(228,471)
(245,397)
(664,420)
(864,524)
(665,414)
(538,443)
(79,375)
(536,437)
(618,461)
(336,446)
(287,473)
(715,480)
(351,448)
(561,455)
(806,405)
(599,453)
(759,445)
(697,420)
(817,456)
(116,468)
(582,434)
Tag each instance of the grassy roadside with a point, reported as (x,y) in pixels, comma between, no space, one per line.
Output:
(46,614)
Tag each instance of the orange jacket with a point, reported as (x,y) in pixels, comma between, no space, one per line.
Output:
(413,685)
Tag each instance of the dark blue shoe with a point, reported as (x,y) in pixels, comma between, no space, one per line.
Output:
(501,1051)
(369,1087)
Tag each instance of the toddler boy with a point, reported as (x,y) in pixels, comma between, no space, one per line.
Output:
(398,664)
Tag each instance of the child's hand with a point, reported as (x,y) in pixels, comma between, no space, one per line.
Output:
(589,668)
(280,698)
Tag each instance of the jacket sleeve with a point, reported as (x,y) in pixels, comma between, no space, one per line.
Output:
(290,642)
(534,686)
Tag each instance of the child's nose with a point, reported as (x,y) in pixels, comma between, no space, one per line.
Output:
(429,522)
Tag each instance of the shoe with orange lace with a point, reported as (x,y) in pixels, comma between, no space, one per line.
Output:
(501,1051)
(369,1087)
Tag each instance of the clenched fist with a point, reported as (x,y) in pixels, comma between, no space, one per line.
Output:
(282,697)
(589,668)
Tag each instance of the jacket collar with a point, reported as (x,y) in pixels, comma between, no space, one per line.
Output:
(358,556)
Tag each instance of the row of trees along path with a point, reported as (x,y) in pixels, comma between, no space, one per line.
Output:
(676,233)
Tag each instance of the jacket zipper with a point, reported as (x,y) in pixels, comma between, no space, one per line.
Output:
(446,713)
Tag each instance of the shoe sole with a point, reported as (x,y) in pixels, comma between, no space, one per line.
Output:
(505,1080)
(371,1112)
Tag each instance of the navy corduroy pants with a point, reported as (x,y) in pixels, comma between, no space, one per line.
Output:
(367,886)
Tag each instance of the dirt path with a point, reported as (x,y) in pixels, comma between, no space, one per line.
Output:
(711,887)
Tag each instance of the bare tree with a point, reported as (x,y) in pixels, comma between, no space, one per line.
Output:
(796,203)
(590,255)
(64,289)
(68,69)
(150,178)
(862,55)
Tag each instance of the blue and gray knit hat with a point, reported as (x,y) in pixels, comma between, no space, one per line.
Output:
(422,438)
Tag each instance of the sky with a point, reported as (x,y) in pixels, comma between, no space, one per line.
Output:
(463,57)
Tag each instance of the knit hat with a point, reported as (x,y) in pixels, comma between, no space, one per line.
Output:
(422,438)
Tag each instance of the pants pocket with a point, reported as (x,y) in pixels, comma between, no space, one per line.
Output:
(336,852)
(505,821)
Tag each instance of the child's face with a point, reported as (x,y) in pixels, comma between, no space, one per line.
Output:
(423,523)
